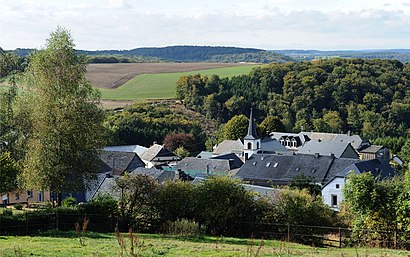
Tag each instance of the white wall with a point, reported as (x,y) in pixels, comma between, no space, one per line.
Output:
(330,189)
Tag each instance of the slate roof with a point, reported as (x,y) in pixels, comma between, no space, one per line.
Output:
(325,148)
(372,149)
(204,155)
(121,161)
(299,137)
(375,166)
(354,140)
(270,144)
(138,149)
(156,152)
(237,162)
(192,165)
(159,175)
(280,169)
(251,129)
(229,146)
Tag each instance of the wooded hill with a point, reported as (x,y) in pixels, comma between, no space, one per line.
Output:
(180,54)
(367,97)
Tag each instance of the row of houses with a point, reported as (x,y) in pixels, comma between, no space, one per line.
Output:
(261,163)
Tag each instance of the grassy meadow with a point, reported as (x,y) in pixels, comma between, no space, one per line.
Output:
(98,244)
(150,86)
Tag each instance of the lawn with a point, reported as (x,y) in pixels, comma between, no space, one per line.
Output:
(150,86)
(98,244)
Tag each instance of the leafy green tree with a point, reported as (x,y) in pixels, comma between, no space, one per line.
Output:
(333,121)
(405,153)
(222,201)
(8,172)
(182,152)
(175,200)
(137,198)
(66,120)
(236,128)
(271,124)
(295,207)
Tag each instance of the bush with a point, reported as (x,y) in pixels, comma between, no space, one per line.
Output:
(103,204)
(18,206)
(69,201)
(221,203)
(7,212)
(185,228)
(298,207)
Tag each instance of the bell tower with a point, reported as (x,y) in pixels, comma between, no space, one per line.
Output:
(251,142)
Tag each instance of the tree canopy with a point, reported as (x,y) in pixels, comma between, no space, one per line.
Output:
(65,117)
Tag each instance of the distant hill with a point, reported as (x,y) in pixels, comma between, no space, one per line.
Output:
(180,54)
(402,55)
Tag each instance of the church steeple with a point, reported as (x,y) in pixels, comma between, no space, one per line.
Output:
(252,135)
(251,142)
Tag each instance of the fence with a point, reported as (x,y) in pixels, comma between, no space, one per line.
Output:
(321,235)
(30,222)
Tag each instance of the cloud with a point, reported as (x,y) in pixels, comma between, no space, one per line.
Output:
(121,24)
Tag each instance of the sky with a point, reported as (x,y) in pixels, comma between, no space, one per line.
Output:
(265,24)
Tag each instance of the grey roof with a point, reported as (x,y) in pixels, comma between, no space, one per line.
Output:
(325,148)
(299,137)
(108,187)
(138,149)
(192,165)
(204,155)
(371,149)
(375,166)
(237,163)
(261,191)
(229,146)
(159,175)
(95,186)
(354,140)
(280,169)
(121,161)
(158,153)
(271,144)
(251,129)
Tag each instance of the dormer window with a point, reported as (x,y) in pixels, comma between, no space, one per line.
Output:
(249,145)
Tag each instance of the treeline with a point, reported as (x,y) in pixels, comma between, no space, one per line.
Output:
(11,63)
(366,97)
(177,53)
(144,123)
(122,59)
(257,57)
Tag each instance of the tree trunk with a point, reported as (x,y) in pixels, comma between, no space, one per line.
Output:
(59,200)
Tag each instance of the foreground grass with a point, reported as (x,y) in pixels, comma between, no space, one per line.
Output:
(149,86)
(99,244)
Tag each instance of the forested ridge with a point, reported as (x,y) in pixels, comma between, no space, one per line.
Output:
(367,97)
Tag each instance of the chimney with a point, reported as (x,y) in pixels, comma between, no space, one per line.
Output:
(332,155)
(177,174)
(317,155)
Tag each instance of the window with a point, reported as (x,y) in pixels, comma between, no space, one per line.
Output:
(29,194)
(337,186)
(249,145)
(268,164)
(334,200)
(254,163)
(257,145)
(275,165)
(40,196)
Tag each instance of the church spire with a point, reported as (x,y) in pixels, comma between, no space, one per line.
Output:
(251,129)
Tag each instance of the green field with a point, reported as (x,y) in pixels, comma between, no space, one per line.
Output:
(98,244)
(149,86)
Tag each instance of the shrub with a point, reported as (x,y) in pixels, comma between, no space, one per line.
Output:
(103,204)
(18,206)
(185,228)
(69,201)
(221,202)
(7,212)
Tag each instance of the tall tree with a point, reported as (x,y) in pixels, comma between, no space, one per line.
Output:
(66,133)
